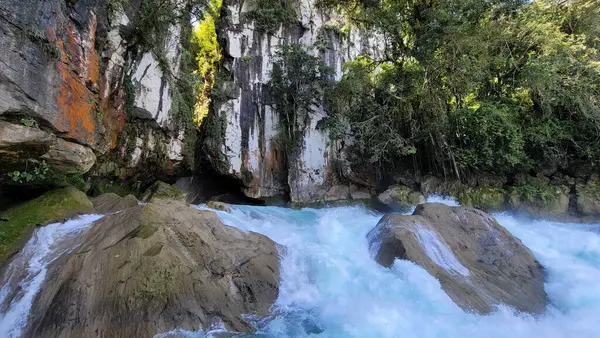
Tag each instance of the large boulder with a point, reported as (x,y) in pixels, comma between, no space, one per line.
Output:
(70,158)
(25,142)
(477,261)
(17,223)
(110,203)
(154,268)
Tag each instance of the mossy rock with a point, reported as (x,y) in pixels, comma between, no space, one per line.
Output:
(53,206)
(400,197)
(482,198)
(588,197)
(162,190)
(540,198)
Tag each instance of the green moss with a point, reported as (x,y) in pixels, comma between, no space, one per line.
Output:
(482,198)
(536,195)
(53,206)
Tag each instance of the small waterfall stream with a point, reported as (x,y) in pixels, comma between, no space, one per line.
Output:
(331,287)
(26,273)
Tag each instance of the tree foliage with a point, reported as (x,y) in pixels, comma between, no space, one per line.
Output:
(468,85)
(298,82)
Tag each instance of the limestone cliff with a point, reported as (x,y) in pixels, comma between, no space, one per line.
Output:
(244,114)
(88,94)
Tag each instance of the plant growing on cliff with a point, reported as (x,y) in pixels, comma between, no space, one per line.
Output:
(270,15)
(471,85)
(207,53)
(37,173)
(298,83)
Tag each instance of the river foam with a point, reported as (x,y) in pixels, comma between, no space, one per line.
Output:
(26,273)
(332,288)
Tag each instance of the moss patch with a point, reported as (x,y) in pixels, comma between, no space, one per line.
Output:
(53,206)
(538,196)
(482,198)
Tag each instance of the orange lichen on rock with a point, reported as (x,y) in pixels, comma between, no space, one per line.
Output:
(77,104)
(93,66)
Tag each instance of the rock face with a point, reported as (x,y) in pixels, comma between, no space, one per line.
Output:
(248,125)
(97,98)
(478,263)
(588,197)
(154,268)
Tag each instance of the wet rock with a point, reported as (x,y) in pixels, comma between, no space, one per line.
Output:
(479,263)
(219,206)
(110,203)
(400,197)
(154,268)
(53,206)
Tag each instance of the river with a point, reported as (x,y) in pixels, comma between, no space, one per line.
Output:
(331,287)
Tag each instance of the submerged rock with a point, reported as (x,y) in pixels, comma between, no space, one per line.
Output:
(53,206)
(154,268)
(219,206)
(477,261)
(110,203)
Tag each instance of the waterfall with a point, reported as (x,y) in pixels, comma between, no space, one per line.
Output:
(26,273)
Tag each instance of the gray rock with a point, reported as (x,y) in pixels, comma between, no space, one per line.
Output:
(70,158)
(110,203)
(15,137)
(477,261)
(154,268)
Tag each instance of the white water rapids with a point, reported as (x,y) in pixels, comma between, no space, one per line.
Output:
(331,287)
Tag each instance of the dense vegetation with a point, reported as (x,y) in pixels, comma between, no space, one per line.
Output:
(471,85)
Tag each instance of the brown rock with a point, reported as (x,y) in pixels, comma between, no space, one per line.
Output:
(477,261)
(154,268)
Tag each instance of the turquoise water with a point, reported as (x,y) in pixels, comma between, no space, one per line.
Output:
(332,288)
